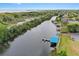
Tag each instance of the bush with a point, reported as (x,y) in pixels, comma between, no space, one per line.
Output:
(73,27)
(62,53)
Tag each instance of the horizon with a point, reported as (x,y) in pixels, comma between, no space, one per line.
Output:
(38,6)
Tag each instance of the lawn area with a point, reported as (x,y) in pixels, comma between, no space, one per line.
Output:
(67,46)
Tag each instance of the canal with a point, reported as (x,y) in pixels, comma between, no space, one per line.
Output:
(30,43)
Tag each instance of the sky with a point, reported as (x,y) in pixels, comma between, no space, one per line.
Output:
(21,6)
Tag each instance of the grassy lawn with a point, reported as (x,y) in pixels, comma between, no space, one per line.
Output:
(67,46)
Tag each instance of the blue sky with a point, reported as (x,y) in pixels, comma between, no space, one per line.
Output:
(13,6)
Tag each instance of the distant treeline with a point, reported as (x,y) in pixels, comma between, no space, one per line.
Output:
(21,16)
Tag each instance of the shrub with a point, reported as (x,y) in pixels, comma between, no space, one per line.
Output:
(73,27)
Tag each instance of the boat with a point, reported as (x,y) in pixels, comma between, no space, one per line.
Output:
(54,41)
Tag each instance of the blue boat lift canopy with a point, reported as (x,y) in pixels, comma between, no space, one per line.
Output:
(54,39)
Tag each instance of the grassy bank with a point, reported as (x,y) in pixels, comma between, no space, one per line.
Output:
(66,47)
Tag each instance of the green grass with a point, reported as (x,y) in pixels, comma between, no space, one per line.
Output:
(67,47)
